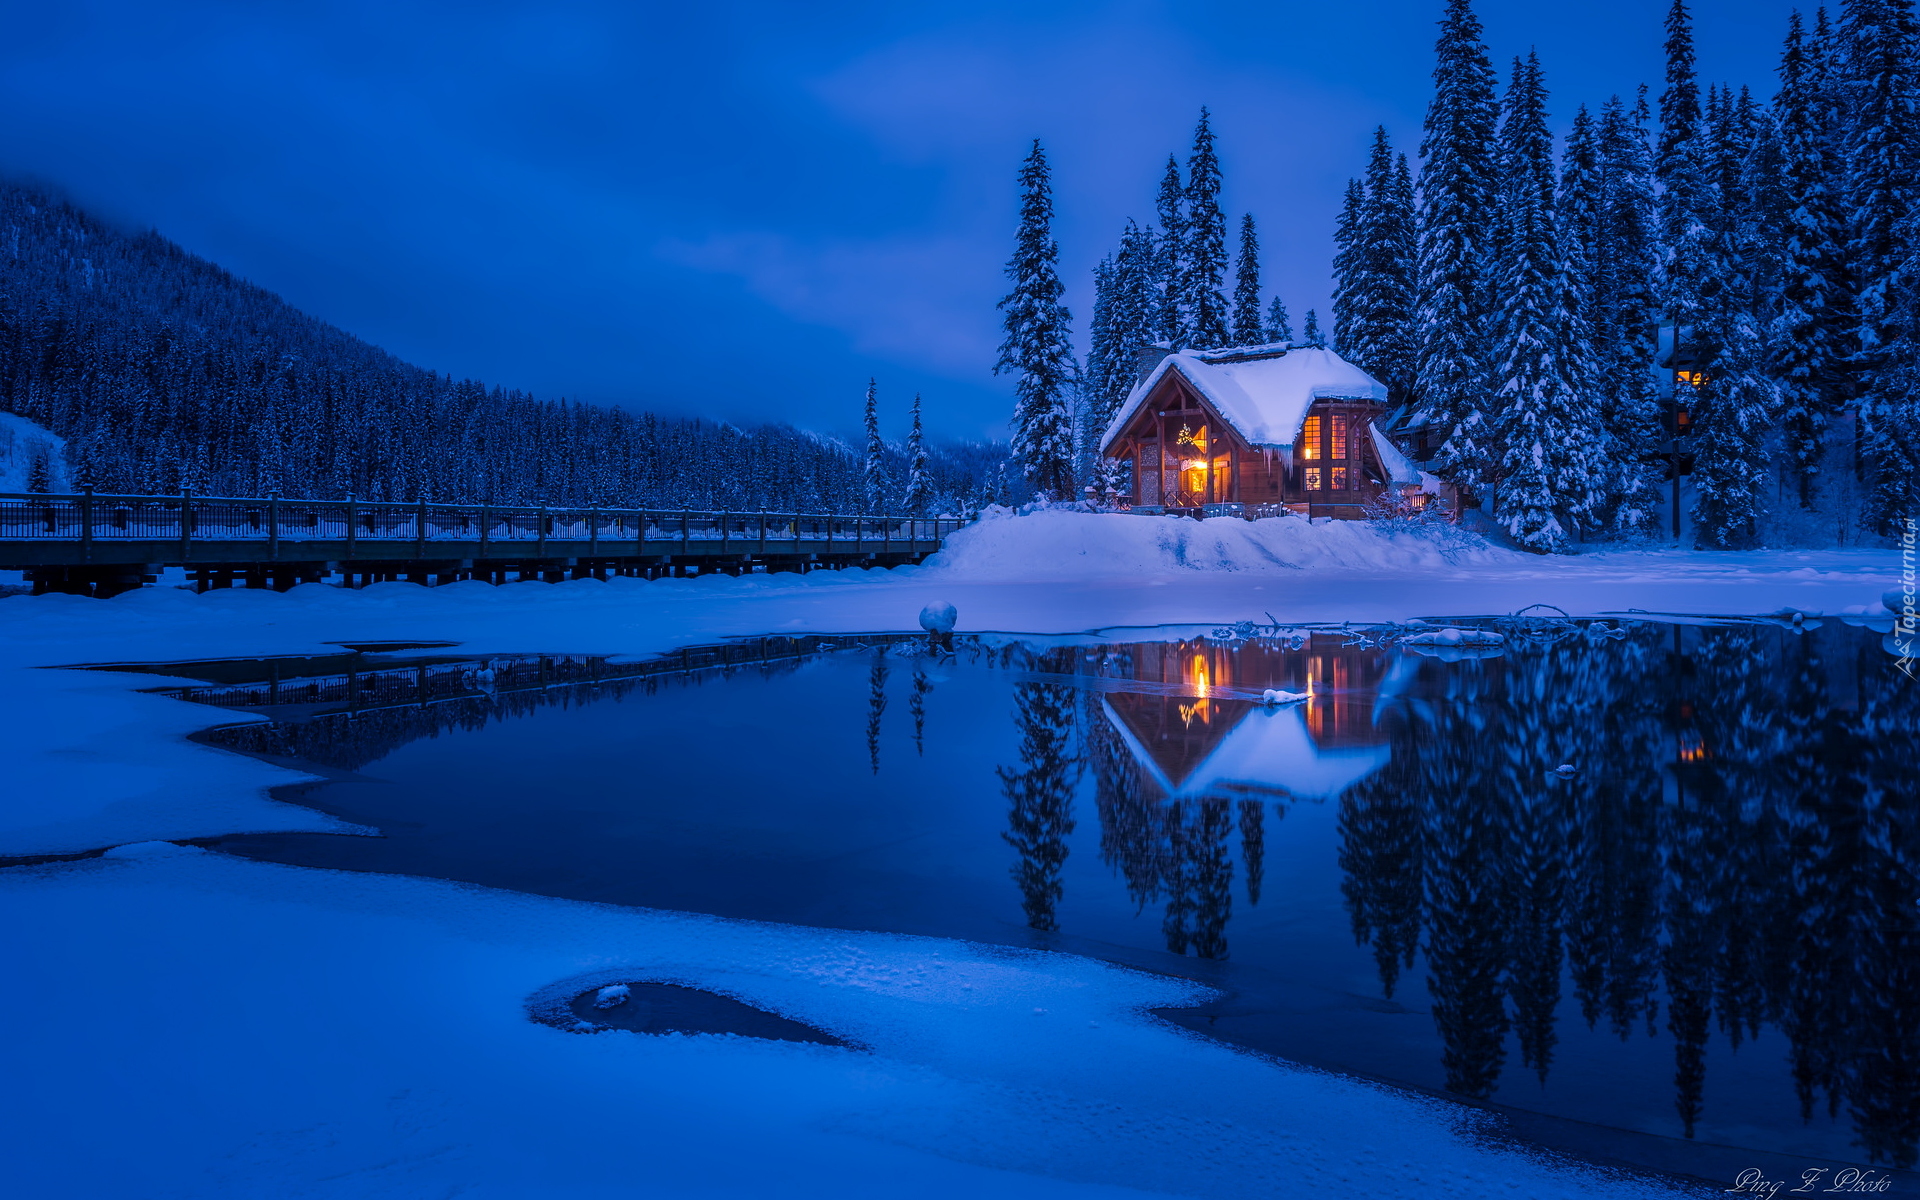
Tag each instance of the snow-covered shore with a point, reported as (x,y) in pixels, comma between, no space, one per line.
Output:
(98,763)
(207,1027)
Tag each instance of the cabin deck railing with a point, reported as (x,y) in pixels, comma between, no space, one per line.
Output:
(280,524)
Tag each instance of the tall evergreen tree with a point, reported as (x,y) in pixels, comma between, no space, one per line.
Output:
(874,464)
(1808,340)
(1878,44)
(919,480)
(1544,430)
(1170,208)
(1279,324)
(1373,294)
(1349,265)
(1037,348)
(1310,331)
(1248,328)
(1125,306)
(1890,415)
(1880,63)
(1735,402)
(1204,271)
(1455,189)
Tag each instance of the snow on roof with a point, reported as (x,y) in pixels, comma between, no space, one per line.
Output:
(1400,468)
(1263,392)
(1269,749)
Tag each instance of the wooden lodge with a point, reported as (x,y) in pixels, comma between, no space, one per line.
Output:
(1252,430)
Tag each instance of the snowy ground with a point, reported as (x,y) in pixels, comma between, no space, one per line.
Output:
(208,1027)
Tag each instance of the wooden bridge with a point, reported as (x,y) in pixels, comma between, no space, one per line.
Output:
(101,545)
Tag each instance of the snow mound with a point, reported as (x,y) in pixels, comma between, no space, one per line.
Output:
(1058,544)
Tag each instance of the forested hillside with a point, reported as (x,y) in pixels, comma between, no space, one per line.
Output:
(162,371)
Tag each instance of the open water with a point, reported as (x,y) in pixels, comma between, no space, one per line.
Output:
(1652,880)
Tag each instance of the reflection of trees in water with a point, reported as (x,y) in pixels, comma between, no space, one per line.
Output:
(917,708)
(1199,881)
(1740,835)
(876,706)
(1253,846)
(1172,851)
(1040,794)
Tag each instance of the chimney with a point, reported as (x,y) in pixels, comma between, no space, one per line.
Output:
(1146,358)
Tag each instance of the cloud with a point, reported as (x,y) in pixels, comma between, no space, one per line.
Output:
(921,300)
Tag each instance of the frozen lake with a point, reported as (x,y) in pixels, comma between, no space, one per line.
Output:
(1704,926)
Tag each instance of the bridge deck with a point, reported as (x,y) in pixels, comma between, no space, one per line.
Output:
(99,545)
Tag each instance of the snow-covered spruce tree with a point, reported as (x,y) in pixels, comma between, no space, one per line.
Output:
(1736,405)
(1349,266)
(1248,328)
(1880,61)
(1622,314)
(1125,302)
(1373,292)
(1455,187)
(1310,330)
(1544,429)
(1279,324)
(1890,414)
(919,478)
(1809,338)
(873,471)
(1103,362)
(1170,258)
(1204,272)
(1038,347)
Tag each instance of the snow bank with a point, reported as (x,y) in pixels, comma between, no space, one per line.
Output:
(1074,545)
(95,763)
(275,1031)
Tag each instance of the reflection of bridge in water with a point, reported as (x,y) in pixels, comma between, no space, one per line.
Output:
(348,709)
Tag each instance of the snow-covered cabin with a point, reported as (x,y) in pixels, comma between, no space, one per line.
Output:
(1257,425)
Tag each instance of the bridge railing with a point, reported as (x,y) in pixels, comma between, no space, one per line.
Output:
(100,518)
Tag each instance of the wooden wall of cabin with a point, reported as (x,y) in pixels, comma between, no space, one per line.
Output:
(1251,476)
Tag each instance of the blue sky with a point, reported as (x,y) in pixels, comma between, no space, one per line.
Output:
(737,209)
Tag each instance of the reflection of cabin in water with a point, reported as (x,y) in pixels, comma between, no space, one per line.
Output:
(1259,425)
(1194,727)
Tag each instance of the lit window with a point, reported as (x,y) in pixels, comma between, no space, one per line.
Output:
(1691,378)
(1310,441)
(1339,479)
(1313,479)
(1339,449)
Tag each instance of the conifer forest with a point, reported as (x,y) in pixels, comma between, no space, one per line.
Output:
(1693,279)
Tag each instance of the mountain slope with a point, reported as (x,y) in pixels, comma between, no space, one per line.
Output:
(163,371)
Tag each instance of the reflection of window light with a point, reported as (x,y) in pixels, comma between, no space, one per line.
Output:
(1201,676)
(1200,710)
(1313,479)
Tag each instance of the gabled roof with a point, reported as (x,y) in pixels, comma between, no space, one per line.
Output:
(1266,750)
(1263,392)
